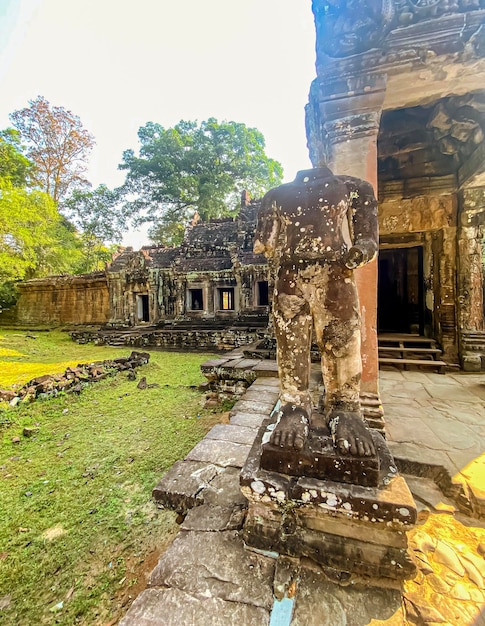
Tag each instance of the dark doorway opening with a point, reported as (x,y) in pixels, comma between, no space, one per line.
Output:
(263,294)
(143,308)
(400,306)
(196,300)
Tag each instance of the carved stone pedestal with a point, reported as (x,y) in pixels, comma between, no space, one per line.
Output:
(352,531)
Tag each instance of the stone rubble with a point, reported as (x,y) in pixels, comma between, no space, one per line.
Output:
(73,380)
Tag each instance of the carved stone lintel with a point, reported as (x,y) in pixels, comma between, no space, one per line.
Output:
(352,127)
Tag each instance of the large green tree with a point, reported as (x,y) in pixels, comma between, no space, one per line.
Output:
(203,167)
(34,239)
(97,216)
(14,166)
(58,145)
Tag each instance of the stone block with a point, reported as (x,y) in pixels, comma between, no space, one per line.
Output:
(350,528)
(321,603)
(211,518)
(232,432)
(266,369)
(222,453)
(224,490)
(266,384)
(319,458)
(256,393)
(180,488)
(249,420)
(472,363)
(426,491)
(173,607)
(251,406)
(348,548)
(216,565)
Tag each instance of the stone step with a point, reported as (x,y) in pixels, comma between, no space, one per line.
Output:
(418,363)
(432,352)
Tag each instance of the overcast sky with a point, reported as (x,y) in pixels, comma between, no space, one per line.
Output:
(118,64)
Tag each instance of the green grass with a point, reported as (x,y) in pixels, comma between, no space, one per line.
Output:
(78,529)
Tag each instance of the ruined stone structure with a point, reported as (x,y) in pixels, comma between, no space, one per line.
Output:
(213,280)
(213,275)
(398,101)
(64,300)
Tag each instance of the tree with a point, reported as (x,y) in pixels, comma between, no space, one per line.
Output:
(56,143)
(34,239)
(97,215)
(14,166)
(194,167)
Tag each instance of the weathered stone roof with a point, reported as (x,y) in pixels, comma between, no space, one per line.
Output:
(207,247)
(204,264)
(247,257)
(214,234)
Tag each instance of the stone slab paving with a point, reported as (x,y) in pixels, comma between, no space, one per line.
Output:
(441,422)
(208,577)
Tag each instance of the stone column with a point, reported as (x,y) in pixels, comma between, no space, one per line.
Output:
(470,281)
(350,126)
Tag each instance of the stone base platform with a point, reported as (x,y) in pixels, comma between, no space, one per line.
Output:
(319,458)
(352,530)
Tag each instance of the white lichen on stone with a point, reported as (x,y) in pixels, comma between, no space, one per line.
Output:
(332,500)
(258,487)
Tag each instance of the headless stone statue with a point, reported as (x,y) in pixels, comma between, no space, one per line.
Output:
(316,231)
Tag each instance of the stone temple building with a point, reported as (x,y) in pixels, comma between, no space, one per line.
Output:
(212,281)
(398,100)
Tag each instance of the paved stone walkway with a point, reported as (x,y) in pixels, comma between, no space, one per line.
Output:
(435,421)
(436,427)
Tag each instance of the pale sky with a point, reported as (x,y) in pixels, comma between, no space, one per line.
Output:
(118,64)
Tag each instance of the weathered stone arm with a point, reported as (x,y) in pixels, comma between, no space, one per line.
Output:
(365,228)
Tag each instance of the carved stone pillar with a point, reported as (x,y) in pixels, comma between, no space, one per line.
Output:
(470,278)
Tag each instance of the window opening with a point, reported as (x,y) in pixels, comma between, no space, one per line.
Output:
(262,293)
(226,299)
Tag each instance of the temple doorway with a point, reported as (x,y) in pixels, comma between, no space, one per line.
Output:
(143,311)
(401,291)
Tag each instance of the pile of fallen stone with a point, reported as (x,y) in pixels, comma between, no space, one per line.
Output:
(74,379)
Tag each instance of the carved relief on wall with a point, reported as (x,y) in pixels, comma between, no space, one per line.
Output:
(411,11)
(348,27)
(419,214)
(136,271)
(457,124)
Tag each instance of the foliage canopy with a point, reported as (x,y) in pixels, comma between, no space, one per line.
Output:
(34,238)
(96,214)
(57,143)
(189,167)
(14,166)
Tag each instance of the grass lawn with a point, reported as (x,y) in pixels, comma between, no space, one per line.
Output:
(78,529)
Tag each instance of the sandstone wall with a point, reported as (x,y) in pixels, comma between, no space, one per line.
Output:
(64,299)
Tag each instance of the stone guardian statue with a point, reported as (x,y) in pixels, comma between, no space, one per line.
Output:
(316,231)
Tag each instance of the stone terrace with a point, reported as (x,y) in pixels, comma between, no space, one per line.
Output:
(436,428)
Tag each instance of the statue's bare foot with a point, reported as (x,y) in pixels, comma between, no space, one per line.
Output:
(350,434)
(291,431)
